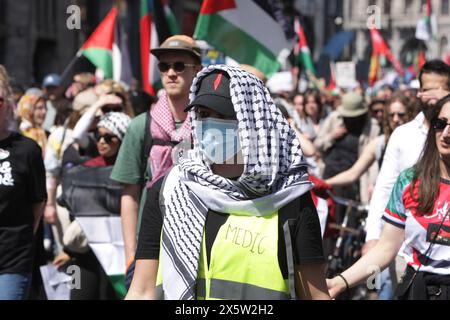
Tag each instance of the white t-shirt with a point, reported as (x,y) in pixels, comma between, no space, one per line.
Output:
(402,152)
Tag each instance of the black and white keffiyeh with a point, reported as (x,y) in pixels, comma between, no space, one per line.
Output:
(274,174)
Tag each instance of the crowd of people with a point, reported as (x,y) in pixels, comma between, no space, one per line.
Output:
(212,180)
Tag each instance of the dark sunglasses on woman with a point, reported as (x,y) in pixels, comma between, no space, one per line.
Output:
(106,137)
(439,124)
(112,108)
(179,66)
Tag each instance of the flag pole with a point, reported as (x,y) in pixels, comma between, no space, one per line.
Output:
(70,66)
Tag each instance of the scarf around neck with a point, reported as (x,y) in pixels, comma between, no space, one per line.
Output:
(162,127)
(274,174)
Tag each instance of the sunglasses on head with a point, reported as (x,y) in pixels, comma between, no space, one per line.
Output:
(439,124)
(178,67)
(107,137)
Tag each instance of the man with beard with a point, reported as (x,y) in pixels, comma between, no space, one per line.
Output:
(405,145)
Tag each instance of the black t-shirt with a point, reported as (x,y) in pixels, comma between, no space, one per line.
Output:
(22,183)
(342,155)
(307,240)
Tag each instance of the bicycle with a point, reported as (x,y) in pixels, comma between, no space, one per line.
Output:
(348,245)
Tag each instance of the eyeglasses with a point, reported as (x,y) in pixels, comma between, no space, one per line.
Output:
(107,137)
(439,124)
(399,114)
(179,66)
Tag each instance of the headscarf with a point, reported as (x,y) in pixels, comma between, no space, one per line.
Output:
(25,110)
(274,174)
(116,122)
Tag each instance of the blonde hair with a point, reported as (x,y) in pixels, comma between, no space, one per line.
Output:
(109,86)
(5,86)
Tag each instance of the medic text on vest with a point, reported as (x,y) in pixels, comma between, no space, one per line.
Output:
(246,239)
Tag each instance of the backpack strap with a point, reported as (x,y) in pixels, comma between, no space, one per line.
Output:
(148,139)
(290,210)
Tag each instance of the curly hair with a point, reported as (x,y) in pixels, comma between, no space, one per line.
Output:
(5,86)
(410,112)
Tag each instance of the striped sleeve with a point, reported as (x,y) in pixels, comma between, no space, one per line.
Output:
(395,212)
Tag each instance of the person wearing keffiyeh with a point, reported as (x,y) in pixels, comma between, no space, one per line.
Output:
(235,217)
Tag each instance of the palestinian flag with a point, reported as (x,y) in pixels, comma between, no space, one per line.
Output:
(302,50)
(244,30)
(104,235)
(157,23)
(149,39)
(121,56)
(380,49)
(427,26)
(174,28)
(107,49)
(98,48)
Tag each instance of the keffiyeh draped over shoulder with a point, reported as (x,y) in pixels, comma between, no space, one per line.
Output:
(274,174)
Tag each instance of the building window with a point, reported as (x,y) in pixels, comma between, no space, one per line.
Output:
(408,6)
(422,6)
(444,7)
(372,2)
(387,7)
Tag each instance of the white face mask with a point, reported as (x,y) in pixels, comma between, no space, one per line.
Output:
(218,139)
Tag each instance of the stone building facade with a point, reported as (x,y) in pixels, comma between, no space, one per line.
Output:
(35,39)
(398,26)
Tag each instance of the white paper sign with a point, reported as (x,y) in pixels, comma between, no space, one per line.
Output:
(346,75)
(56,283)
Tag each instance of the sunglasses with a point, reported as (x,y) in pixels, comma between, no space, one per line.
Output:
(106,137)
(399,114)
(178,67)
(112,108)
(439,124)
(2,100)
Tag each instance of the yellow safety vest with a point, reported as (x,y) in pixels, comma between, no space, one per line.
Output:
(244,262)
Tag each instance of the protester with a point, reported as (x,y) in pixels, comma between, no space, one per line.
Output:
(343,136)
(146,152)
(94,283)
(306,124)
(214,183)
(81,81)
(22,201)
(417,214)
(58,142)
(32,111)
(396,112)
(314,111)
(377,108)
(406,144)
(402,151)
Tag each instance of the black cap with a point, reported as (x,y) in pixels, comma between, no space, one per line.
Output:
(214,93)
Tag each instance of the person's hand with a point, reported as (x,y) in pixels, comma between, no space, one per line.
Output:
(61,259)
(339,133)
(431,97)
(108,99)
(50,214)
(368,246)
(335,286)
